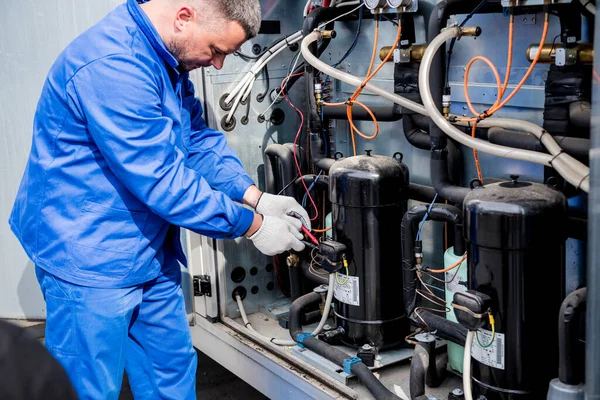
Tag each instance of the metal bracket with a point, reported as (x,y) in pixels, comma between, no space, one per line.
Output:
(202,286)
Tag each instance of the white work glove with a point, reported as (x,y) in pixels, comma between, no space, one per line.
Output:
(277,235)
(284,207)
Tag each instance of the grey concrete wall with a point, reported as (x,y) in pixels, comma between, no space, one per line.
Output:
(32,34)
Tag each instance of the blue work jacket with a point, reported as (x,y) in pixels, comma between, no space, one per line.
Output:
(121,157)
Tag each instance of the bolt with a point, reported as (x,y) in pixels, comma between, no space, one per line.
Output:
(326,327)
(457,392)
(367,347)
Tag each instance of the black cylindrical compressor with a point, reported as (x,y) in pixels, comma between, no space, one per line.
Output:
(515,233)
(369,197)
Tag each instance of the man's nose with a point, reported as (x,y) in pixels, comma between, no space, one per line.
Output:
(218,61)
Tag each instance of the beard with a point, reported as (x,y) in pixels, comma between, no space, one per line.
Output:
(177,49)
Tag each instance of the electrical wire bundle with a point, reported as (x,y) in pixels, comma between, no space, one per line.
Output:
(243,88)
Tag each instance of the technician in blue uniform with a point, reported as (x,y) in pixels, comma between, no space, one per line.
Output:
(121,158)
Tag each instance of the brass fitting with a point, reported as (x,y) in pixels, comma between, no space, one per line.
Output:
(328,34)
(470,31)
(583,53)
(292,260)
(416,52)
(446,112)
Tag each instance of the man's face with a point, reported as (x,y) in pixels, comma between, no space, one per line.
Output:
(203,44)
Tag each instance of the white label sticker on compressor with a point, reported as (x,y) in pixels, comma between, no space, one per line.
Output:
(492,355)
(348,292)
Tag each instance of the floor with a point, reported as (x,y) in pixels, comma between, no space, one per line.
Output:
(213,382)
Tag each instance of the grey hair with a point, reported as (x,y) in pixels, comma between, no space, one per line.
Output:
(244,12)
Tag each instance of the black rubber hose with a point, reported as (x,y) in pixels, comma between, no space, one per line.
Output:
(580,115)
(295,314)
(418,371)
(317,153)
(331,353)
(286,164)
(362,372)
(416,136)
(441,179)
(425,369)
(375,386)
(574,146)
(322,181)
(446,329)
(382,113)
(409,226)
(422,193)
(572,313)
(312,21)
(318,279)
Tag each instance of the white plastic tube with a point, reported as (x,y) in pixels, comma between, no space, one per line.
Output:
(283,342)
(572,170)
(261,62)
(588,6)
(244,87)
(353,80)
(467,366)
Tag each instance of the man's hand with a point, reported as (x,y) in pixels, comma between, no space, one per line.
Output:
(284,207)
(277,235)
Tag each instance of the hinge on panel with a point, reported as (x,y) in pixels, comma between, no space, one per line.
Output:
(202,286)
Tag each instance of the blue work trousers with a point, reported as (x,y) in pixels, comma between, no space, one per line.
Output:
(97,333)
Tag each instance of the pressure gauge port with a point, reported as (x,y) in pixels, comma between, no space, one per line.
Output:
(373,4)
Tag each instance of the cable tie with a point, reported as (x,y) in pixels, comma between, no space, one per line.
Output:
(581,181)
(554,158)
(544,132)
(469,311)
(247,323)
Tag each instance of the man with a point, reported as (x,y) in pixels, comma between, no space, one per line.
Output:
(121,158)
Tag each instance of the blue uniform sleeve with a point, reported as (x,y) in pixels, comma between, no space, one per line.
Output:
(209,153)
(121,100)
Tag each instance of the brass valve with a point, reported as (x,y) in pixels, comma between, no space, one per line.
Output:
(582,53)
(413,54)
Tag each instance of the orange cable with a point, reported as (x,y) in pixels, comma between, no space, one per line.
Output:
(358,90)
(466,81)
(531,67)
(456,264)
